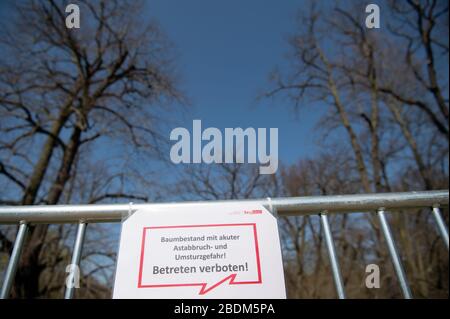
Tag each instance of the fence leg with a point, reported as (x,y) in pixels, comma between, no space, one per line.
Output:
(75,263)
(333,257)
(13,261)
(441,224)
(394,255)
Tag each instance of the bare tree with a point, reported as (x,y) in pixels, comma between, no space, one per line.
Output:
(387,105)
(422,26)
(225,181)
(63,90)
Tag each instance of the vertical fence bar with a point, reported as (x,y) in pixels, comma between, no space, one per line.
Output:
(75,263)
(441,224)
(333,257)
(394,255)
(13,261)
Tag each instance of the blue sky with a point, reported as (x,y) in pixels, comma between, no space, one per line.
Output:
(226,50)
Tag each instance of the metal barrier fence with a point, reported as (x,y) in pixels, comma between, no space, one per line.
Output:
(291,206)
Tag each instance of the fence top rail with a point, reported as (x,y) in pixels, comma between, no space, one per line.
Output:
(286,206)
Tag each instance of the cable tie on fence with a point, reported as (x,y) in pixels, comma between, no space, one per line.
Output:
(130,211)
(272,209)
(270,203)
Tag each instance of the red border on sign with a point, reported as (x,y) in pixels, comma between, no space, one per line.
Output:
(204,289)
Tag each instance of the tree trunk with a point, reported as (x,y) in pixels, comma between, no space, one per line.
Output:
(29,270)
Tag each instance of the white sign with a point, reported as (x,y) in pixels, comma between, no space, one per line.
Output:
(200,251)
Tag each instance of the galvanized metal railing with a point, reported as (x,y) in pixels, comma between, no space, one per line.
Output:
(291,206)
